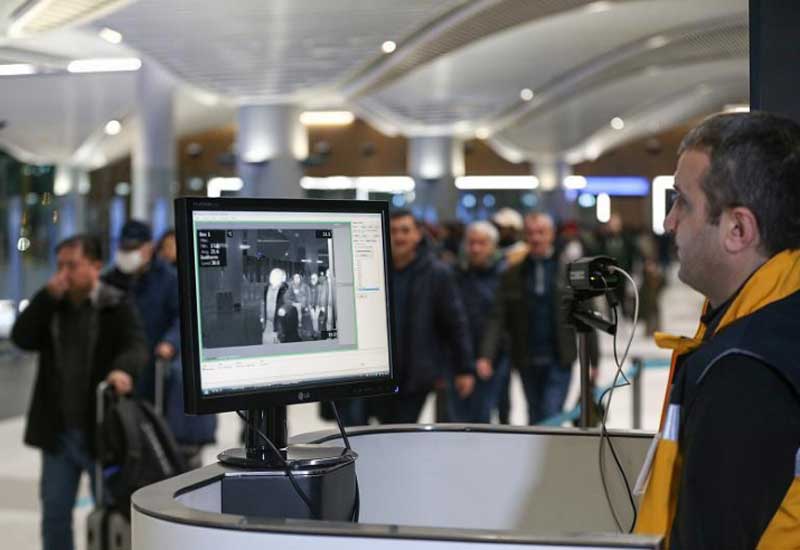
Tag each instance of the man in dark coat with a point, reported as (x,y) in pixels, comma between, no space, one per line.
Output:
(528,309)
(84,331)
(430,324)
(153,287)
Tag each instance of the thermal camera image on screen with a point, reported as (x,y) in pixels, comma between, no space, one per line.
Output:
(271,288)
(287,298)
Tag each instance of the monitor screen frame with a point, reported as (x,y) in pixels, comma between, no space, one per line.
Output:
(195,402)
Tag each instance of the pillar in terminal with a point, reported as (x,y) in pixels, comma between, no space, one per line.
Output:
(154,148)
(551,174)
(270,144)
(70,187)
(434,162)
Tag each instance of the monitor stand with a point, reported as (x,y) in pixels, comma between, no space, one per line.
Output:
(258,454)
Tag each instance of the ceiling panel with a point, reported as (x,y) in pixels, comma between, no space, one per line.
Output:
(275,49)
(483,80)
(53,115)
(565,126)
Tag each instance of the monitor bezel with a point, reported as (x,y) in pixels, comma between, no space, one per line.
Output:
(195,402)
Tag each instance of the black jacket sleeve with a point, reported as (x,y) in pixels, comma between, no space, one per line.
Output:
(742,434)
(131,352)
(31,330)
(451,319)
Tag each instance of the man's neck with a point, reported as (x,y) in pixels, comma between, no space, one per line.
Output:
(80,296)
(725,289)
(403,262)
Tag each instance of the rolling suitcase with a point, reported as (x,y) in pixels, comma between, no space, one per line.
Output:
(107,528)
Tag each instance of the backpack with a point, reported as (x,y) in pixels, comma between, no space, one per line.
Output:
(136,448)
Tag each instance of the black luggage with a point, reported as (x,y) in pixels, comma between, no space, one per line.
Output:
(134,448)
(107,528)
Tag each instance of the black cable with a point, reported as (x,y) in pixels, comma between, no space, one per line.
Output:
(286,465)
(357,501)
(604,437)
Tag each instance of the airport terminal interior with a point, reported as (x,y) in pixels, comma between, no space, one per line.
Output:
(457,110)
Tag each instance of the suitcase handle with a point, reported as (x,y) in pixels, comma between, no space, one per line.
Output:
(103,389)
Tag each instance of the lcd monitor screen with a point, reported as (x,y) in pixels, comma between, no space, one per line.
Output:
(287,299)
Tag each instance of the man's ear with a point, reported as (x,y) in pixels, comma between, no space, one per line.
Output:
(740,230)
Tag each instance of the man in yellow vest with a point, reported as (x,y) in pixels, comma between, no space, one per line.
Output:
(726,466)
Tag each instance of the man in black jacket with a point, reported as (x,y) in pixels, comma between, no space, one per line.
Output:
(528,309)
(430,324)
(85,332)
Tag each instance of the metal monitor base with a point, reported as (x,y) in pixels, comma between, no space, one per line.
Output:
(298,457)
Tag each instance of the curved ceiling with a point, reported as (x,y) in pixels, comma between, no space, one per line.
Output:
(458,69)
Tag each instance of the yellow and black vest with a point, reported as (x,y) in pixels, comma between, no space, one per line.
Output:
(762,322)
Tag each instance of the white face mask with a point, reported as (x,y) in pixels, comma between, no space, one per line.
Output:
(129,261)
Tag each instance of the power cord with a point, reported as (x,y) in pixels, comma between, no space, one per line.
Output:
(604,435)
(286,466)
(357,502)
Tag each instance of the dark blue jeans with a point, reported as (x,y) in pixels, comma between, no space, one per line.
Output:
(478,407)
(61,473)
(546,387)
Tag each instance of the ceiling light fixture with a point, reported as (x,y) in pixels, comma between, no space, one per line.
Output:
(326,118)
(658,41)
(597,7)
(105,65)
(526,94)
(216,186)
(661,184)
(475,183)
(603,207)
(574,182)
(617,123)
(110,35)
(17,69)
(389,46)
(113,127)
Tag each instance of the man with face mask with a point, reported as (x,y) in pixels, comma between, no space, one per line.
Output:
(153,287)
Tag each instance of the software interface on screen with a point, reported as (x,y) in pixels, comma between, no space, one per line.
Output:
(288,298)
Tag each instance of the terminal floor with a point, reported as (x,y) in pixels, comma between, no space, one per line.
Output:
(19,465)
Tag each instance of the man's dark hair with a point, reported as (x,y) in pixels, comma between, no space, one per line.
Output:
(402,213)
(755,163)
(89,245)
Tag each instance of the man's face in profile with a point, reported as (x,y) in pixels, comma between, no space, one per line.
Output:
(697,241)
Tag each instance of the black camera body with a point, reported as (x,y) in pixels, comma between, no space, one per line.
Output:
(592,276)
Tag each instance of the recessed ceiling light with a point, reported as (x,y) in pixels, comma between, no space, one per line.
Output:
(657,42)
(17,69)
(113,127)
(326,118)
(600,6)
(105,65)
(526,94)
(389,46)
(617,123)
(110,35)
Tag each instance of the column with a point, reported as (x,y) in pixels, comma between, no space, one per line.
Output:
(552,199)
(270,144)
(70,187)
(434,162)
(14,275)
(154,149)
(773,35)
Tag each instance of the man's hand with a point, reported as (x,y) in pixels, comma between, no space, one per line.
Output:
(121,381)
(165,350)
(58,285)
(484,368)
(464,384)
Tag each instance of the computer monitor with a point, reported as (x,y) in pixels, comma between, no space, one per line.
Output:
(283,301)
